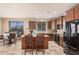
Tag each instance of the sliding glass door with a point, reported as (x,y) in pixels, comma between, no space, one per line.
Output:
(16,26)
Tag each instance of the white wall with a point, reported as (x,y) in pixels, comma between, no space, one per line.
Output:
(0,26)
(5,24)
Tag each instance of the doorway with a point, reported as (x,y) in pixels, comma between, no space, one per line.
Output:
(16,26)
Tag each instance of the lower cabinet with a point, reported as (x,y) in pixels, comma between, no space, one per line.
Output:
(61,41)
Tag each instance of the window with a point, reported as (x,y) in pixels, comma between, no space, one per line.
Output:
(16,26)
(41,26)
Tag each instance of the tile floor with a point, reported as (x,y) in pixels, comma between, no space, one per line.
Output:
(53,49)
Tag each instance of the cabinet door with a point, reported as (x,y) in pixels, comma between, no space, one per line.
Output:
(70,15)
(76,12)
(58,21)
(49,24)
(32,25)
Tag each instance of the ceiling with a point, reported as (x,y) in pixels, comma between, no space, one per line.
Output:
(34,10)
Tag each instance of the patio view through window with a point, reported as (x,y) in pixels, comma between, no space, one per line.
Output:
(16,26)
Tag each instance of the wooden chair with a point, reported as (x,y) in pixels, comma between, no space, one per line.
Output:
(29,43)
(2,38)
(40,44)
(12,37)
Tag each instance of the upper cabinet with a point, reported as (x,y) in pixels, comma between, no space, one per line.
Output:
(49,24)
(70,14)
(59,20)
(32,25)
(76,12)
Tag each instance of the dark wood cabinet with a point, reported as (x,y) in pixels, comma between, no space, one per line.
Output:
(59,23)
(76,12)
(61,43)
(49,24)
(32,25)
(70,15)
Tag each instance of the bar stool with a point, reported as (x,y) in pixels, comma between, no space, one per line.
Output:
(29,43)
(40,44)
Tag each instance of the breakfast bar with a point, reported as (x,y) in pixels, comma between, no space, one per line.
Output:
(34,38)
